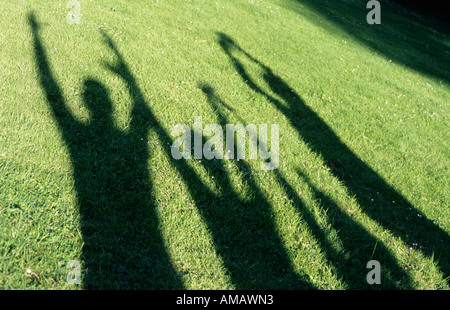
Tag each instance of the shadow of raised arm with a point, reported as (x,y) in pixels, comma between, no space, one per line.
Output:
(52,91)
(141,116)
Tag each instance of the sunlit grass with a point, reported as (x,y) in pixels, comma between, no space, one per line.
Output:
(392,116)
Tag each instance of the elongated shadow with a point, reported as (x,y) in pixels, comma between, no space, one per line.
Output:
(248,233)
(355,245)
(244,234)
(123,248)
(391,210)
(348,264)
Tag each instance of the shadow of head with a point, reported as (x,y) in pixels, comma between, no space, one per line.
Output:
(225,41)
(206,88)
(96,98)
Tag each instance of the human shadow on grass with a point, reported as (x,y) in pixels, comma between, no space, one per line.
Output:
(355,246)
(410,37)
(123,246)
(389,208)
(243,232)
(243,227)
(349,265)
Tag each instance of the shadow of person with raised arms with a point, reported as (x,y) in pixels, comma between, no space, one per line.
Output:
(361,181)
(123,248)
(246,227)
(244,234)
(351,270)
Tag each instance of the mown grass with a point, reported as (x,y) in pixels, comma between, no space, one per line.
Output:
(364,153)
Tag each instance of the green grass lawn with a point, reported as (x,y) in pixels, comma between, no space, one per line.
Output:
(86,172)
